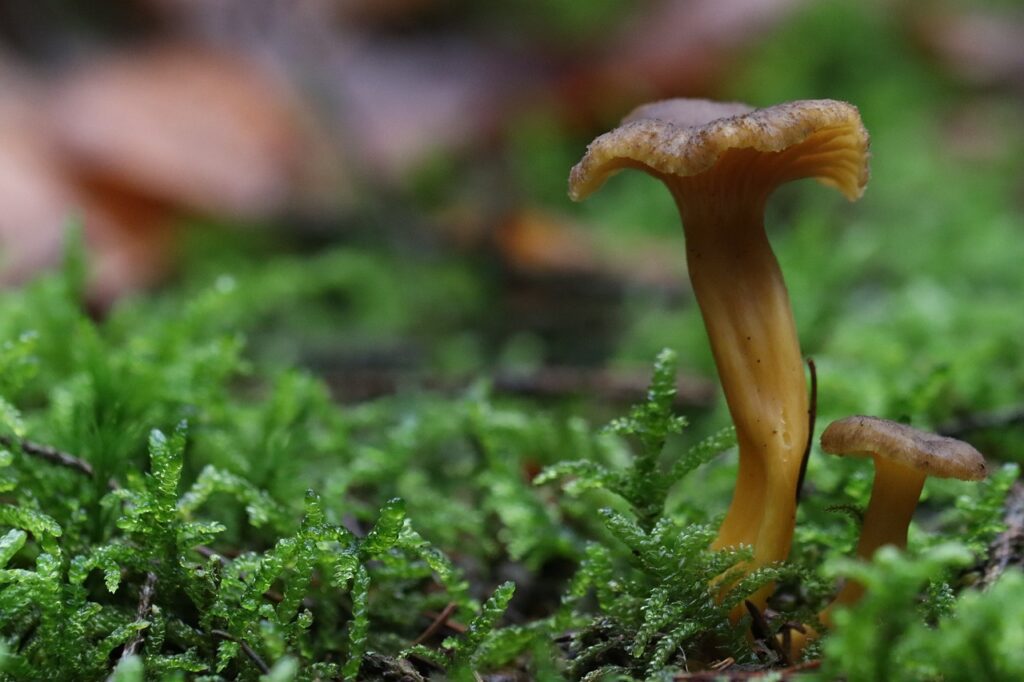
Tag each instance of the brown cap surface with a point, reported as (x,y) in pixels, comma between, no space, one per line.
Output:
(927,452)
(823,139)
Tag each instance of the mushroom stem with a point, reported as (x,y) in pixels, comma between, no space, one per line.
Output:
(745,305)
(894,497)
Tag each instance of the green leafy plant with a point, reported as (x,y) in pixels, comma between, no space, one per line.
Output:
(157,519)
(62,625)
(161,553)
(886,636)
(663,598)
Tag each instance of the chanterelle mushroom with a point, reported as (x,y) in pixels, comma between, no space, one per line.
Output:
(904,457)
(721,161)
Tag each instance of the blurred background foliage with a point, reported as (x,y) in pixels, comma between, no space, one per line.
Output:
(375,192)
(452,212)
(405,180)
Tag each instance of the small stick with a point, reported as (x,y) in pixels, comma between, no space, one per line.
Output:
(249,651)
(141,613)
(452,625)
(50,454)
(761,631)
(439,622)
(787,634)
(812,416)
(207,553)
(54,456)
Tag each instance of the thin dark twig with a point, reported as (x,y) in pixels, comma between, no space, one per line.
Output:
(812,416)
(54,456)
(142,613)
(762,631)
(207,553)
(453,625)
(50,454)
(249,651)
(437,624)
(787,635)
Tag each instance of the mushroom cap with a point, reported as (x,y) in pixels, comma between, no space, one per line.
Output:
(929,453)
(825,139)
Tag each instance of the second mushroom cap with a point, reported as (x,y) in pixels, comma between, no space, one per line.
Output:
(929,453)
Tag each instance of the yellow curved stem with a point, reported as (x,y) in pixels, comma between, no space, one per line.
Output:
(745,305)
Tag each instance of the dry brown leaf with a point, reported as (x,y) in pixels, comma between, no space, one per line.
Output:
(185,126)
(130,240)
(532,241)
(35,195)
(130,143)
(537,242)
(127,244)
(393,99)
(126,237)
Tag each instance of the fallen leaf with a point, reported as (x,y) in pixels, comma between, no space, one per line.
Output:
(36,196)
(535,242)
(190,127)
(127,237)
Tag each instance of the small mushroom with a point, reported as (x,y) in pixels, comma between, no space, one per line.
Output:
(904,457)
(721,161)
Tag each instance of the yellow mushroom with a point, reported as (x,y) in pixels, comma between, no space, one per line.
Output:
(903,457)
(721,161)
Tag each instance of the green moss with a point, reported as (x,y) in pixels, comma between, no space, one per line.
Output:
(179,518)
